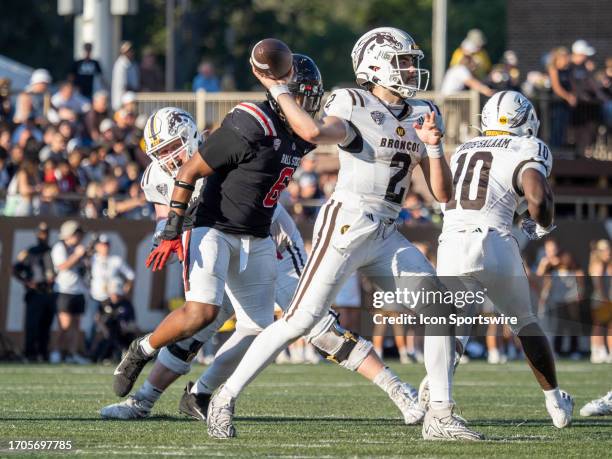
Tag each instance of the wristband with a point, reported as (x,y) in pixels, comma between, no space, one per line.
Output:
(174,226)
(178,205)
(277,90)
(184,185)
(434,151)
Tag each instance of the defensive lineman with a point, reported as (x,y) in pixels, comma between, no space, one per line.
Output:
(382,137)
(494,175)
(336,344)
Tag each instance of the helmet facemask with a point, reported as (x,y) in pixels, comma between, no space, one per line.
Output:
(405,79)
(171,154)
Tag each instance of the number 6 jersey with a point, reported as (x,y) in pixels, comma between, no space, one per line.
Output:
(487,173)
(381,150)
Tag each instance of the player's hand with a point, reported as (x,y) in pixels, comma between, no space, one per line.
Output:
(428,132)
(533,231)
(159,256)
(268,82)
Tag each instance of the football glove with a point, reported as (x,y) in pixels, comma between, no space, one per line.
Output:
(170,242)
(533,231)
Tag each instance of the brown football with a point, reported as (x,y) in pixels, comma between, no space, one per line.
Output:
(272,58)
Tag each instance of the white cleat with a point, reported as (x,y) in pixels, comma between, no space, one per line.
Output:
(443,424)
(130,408)
(561,410)
(405,397)
(221,415)
(424,393)
(599,407)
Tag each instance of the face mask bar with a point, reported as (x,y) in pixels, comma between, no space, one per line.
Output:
(170,162)
(404,88)
(308,96)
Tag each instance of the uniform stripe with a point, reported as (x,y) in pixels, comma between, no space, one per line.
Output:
(501,96)
(315,249)
(260,116)
(360,98)
(294,259)
(186,260)
(352,96)
(316,259)
(299,255)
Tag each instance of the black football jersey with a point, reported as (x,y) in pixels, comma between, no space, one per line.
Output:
(254,157)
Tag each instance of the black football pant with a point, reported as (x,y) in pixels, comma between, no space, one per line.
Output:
(40,311)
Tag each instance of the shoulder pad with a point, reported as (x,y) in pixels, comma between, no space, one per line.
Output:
(156,185)
(340,103)
(250,121)
(532,148)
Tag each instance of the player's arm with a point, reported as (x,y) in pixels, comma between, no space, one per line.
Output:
(329,130)
(539,197)
(435,168)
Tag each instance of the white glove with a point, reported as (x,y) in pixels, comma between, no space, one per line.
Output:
(533,231)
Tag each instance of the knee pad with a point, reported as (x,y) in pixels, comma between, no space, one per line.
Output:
(337,344)
(177,357)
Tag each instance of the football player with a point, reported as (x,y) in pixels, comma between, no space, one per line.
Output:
(383,134)
(332,341)
(501,172)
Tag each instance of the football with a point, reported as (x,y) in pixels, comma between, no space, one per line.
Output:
(272,58)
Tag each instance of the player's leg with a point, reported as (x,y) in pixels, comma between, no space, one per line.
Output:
(508,289)
(172,362)
(208,253)
(402,266)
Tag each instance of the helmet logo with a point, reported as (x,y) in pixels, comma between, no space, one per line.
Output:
(379,38)
(175,120)
(378,117)
(522,112)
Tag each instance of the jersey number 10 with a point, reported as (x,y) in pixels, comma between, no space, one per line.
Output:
(482,159)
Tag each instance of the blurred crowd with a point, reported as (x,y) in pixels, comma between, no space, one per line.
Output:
(578,95)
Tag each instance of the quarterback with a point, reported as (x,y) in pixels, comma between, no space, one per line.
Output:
(382,135)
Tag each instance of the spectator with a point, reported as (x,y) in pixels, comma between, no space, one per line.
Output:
(24,108)
(39,90)
(125,74)
(56,150)
(95,169)
(506,75)
(5,177)
(34,268)
(99,112)
(206,79)
(587,112)
(460,77)
(67,98)
(605,80)
(6,107)
(473,44)
(564,97)
(84,72)
(68,256)
(600,270)
(21,193)
(414,211)
(151,74)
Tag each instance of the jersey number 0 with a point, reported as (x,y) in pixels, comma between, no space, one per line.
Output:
(482,159)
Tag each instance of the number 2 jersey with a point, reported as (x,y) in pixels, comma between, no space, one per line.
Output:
(487,188)
(382,150)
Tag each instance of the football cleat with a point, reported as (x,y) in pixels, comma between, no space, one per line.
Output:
(194,405)
(561,410)
(599,407)
(129,368)
(130,408)
(221,415)
(443,424)
(405,397)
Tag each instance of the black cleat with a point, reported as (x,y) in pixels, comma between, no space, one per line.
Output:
(129,368)
(194,405)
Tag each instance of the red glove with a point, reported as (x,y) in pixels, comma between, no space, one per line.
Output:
(162,252)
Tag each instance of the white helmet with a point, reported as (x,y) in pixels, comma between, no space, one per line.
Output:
(509,112)
(376,61)
(166,126)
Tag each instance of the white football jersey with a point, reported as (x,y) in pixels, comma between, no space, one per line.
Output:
(377,164)
(158,186)
(487,174)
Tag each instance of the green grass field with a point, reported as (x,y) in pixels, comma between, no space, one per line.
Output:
(304,411)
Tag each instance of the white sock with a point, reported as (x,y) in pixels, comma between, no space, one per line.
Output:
(262,352)
(552,395)
(148,392)
(439,363)
(145,345)
(386,379)
(227,359)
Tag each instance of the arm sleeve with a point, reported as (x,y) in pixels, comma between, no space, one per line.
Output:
(340,104)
